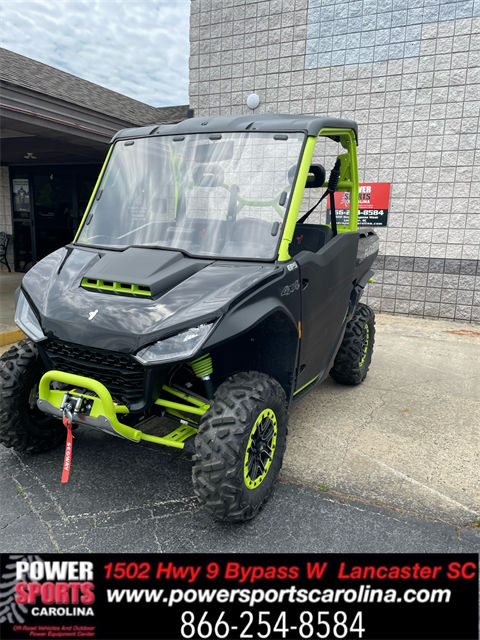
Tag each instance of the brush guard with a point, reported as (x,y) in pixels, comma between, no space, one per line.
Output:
(100,411)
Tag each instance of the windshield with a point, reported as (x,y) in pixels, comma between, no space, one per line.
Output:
(222,195)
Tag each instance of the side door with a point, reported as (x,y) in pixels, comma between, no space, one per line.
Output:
(326,282)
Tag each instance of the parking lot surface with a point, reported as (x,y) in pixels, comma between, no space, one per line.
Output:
(390,465)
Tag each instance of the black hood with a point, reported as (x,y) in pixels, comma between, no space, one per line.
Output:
(185,292)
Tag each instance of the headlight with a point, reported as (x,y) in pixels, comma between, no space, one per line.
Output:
(177,347)
(26,319)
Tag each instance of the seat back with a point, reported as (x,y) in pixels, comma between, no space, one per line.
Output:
(310,237)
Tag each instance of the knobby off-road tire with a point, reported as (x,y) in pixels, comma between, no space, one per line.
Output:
(355,353)
(247,419)
(22,425)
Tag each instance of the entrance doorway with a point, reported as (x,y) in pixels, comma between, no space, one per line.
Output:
(48,205)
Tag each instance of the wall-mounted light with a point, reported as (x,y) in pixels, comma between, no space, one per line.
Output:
(253,101)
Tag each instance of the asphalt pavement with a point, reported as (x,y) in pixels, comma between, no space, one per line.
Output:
(127,498)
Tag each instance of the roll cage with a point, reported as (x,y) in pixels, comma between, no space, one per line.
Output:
(345,132)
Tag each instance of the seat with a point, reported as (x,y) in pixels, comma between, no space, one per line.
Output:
(3,249)
(309,237)
(180,234)
(209,234)
(237,249)
(249,238)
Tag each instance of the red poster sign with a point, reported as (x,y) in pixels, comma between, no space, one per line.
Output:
(373,201)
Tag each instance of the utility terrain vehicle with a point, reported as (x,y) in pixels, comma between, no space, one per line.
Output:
(194,291)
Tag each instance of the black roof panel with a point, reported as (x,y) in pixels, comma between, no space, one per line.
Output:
(249,122)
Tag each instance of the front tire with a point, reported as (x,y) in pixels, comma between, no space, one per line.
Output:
(355,353)
(22,425)
(240,446)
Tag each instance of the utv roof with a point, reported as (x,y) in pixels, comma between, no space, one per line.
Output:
(249,122)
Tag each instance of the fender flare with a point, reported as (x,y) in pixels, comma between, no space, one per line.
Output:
(357,292)
(243,318)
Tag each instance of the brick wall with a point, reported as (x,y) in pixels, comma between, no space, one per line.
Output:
(411,79)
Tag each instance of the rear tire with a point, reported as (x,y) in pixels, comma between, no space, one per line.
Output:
(22,425)
(240,446)
(355,353)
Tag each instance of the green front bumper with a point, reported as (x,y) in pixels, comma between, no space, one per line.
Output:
(104,411)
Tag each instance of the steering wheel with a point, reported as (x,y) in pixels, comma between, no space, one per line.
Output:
(251,227)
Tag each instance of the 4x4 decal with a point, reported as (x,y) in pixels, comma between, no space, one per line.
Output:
(290,288)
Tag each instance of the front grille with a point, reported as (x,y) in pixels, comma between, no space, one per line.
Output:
(123,376)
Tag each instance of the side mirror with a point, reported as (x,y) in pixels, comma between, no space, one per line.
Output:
(316,176)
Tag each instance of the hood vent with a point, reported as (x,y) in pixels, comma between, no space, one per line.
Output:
(118,288)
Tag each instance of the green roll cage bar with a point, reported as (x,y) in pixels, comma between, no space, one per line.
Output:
(348,182)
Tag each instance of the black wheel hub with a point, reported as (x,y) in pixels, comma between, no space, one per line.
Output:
(260,451)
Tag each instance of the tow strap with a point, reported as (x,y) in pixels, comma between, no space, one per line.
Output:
(67,462)
(67,422)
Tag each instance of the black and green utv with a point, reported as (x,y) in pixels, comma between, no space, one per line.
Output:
(193,290)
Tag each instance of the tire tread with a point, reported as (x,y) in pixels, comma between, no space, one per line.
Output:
(346,368)
(16,429)
(223,432)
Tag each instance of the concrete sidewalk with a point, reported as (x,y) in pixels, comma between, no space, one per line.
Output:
(409,435)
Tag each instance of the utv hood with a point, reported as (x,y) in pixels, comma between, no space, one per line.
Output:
(185,292)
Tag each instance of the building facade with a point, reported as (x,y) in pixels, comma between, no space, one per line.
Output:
(409,74)
(55,132)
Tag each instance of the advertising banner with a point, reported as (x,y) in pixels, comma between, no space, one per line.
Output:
(373,202)
(381,596)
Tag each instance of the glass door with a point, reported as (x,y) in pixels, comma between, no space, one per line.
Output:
(48,205)
(53,206)
(23,242)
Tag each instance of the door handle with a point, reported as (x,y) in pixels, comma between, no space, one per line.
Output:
(304,283)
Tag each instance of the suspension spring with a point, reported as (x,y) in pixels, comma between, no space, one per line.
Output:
(202,367)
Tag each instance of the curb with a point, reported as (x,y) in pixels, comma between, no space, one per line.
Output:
(7,337)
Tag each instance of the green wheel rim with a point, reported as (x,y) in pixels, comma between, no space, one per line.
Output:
(364,347)
(260,449)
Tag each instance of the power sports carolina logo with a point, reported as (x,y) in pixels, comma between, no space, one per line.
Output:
(34,587)
(364,195)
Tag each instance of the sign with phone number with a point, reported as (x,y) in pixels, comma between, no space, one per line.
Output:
(373,203)
(384,596)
